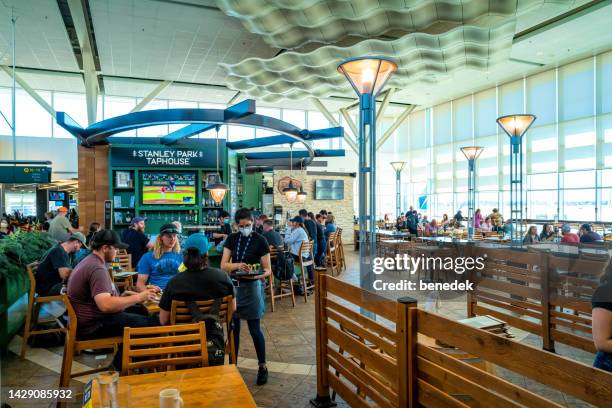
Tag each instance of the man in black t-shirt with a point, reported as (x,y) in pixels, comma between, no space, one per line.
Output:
(602,322)
(55,266)
(136,239)
(198,282)
(225,227)
(273,237)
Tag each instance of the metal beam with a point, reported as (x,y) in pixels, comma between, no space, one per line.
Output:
(90,74)
(24,85)
(334,122)
(244,108)
(320,134)
(152,95)
(349,121)
(384,104)
(394,126)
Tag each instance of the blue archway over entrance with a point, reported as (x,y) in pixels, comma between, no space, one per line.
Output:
(198,121)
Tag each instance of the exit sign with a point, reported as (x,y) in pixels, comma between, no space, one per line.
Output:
(25,174)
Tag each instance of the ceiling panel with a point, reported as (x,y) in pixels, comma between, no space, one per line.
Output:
(174,41)
(42,41)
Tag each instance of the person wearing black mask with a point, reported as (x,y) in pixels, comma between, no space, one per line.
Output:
(242,250)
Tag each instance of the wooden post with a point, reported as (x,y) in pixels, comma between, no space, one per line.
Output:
(406,332)
(322,400)
(469,252)
(547,343)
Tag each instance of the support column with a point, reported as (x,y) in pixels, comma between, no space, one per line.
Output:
(93,183)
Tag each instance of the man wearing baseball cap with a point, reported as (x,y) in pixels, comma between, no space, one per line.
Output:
(198,282)
(54,267)
(100,311)
(60,228)
(136,240)
(158,266)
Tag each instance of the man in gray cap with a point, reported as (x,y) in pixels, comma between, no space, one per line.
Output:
(137,241)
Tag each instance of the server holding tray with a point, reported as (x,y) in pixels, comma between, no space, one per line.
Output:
(246,256)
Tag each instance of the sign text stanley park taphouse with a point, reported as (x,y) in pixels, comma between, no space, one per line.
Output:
(145,156)
(167,157)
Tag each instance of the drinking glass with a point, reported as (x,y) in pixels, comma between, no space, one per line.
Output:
(107,381)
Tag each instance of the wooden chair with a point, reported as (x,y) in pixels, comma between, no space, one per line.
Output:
(282,284)
(331,255)
(125,260)
(179,314)
(306,249)
(72,346)
(164,347)
(39,314)
(340,246)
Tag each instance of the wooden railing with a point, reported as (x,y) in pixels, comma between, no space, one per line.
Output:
(538,292)
(392,362)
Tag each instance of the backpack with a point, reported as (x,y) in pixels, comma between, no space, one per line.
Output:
(215,337)
(283,270)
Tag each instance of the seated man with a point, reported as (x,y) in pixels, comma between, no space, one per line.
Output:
(588,235)
(198,282)
(55,266)
(272,237)
(100,311)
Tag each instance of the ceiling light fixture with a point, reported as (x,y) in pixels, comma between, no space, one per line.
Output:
(290,192)
(217,189)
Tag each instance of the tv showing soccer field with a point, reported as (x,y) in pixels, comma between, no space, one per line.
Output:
(168,188)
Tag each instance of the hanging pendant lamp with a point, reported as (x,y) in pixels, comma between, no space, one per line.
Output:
(217,189)
(301,195)
(290,192)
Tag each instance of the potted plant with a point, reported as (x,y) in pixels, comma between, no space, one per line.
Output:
(16,252)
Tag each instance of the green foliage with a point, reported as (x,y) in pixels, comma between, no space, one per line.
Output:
(20,249)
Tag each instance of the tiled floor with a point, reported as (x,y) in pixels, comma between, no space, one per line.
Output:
(290,347)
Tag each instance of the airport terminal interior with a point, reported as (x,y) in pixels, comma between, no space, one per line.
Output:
(371,203)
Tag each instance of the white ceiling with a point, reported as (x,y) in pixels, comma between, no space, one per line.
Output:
(185,40)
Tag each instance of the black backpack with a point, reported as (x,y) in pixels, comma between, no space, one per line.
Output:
(215,338)
(283,270)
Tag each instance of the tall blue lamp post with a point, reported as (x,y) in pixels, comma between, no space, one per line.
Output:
(398,167)
(515,127)
(471,153)
(367,76)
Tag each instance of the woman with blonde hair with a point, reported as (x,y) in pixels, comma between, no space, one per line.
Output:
(156,268)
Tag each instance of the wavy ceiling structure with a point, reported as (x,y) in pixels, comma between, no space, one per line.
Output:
(289,24)
(422,57)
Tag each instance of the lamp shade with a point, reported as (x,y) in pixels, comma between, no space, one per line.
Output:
(367,75)
(472,152)
(398,166)
(217,190)
(515,126)
(290,192)
(301,195)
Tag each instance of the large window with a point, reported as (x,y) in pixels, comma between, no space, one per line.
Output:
(567,153)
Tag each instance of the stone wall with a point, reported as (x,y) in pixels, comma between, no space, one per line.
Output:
(342,209)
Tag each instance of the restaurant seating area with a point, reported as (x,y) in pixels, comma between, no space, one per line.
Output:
(307,203)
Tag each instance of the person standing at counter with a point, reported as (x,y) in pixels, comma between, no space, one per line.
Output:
(477,219)
(241,250)
(602,322)
(225,229)
(159,266)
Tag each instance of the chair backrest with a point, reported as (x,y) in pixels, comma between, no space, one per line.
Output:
(32,269)
(273,252)
(164,346)
(125,260)
(179,312)
(306,249)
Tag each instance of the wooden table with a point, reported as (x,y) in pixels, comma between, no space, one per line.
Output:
(220,386)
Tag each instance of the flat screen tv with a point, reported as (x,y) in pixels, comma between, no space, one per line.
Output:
(57,195)
(329,190)
(162,188)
